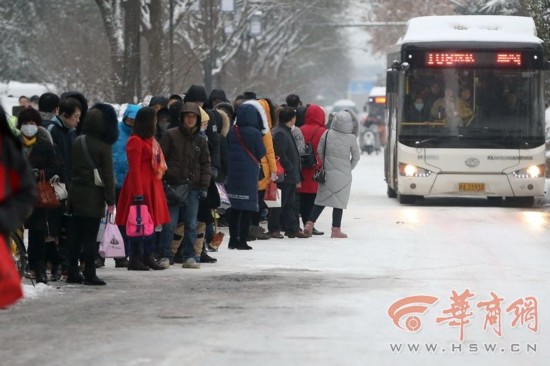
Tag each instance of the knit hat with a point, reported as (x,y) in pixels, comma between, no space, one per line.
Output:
(196,93)
(158,99)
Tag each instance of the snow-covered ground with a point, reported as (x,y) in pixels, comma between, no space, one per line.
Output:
(317,301)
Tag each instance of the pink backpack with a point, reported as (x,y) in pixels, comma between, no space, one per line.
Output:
(139,222)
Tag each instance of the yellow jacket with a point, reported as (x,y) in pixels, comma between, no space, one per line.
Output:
(268,162)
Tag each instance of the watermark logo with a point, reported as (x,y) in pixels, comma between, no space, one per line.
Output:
(406,313)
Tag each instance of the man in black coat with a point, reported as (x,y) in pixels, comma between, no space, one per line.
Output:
(287,152)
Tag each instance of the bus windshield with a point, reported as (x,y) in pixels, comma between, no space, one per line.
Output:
(472,108)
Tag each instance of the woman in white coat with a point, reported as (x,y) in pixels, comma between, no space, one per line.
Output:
(339,153)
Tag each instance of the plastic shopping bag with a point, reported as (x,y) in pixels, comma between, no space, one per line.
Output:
(224,200)
(112,244)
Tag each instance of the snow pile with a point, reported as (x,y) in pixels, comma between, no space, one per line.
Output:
(476,28)
(32,292)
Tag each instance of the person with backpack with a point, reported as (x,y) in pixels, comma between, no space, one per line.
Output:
(143,184)
(313,129)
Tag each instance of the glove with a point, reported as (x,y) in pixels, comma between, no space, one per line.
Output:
(274,176)
(138,199)
(202,195)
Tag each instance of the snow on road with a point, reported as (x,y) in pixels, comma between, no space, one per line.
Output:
(317,301)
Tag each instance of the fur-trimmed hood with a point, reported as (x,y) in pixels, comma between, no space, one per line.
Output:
(266,127)
(101,121)
(226,123)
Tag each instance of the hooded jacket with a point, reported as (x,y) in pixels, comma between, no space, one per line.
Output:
(312,130)
(187,157)
(120,160)
(242,180)
(100,131)
(340,157)
(63,138)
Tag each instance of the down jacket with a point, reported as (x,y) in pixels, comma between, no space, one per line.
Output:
(242,179)
(340,156)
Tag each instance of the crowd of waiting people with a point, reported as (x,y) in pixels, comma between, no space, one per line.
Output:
(207,143)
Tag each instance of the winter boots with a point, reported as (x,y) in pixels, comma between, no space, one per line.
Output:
(149,261)
(308,229)
(257,232)
(337,233)
(91,279)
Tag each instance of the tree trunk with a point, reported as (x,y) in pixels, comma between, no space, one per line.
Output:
(132,67)
(155,38)
(109,14)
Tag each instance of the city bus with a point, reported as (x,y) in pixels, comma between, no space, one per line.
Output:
(375,108)
(465,110)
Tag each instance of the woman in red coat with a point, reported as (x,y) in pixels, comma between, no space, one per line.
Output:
(146,167)
(312,130)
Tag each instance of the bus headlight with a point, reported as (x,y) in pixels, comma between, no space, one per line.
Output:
(409,170)
(534,171)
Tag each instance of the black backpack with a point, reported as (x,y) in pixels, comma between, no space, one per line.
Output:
(308,158)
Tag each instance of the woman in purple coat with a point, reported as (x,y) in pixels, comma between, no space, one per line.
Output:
(246,149)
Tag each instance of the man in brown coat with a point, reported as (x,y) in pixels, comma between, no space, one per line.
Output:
(188,160)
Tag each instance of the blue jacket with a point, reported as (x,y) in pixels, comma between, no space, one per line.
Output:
(243,170)
(120,160)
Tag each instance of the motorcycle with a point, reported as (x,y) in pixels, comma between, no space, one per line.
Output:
(370,140)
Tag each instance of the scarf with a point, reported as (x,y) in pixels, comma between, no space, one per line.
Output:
(158,161)
(28,142)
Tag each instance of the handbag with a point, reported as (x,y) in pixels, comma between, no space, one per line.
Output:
(272,195)
(320,175)
(10,282)
(308,158)
(176,195)
(46,194)
(60,188)
(140,223)
(97,176)
(112,243)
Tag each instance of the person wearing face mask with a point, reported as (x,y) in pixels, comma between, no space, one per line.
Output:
(43,224)
(417,111)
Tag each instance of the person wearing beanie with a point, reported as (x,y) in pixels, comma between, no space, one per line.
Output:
(196,94)
(216,96)
(158,102)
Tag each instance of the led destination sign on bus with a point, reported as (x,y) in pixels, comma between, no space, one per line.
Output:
(450,59)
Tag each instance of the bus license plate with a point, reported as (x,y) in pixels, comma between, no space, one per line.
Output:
(471,187)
